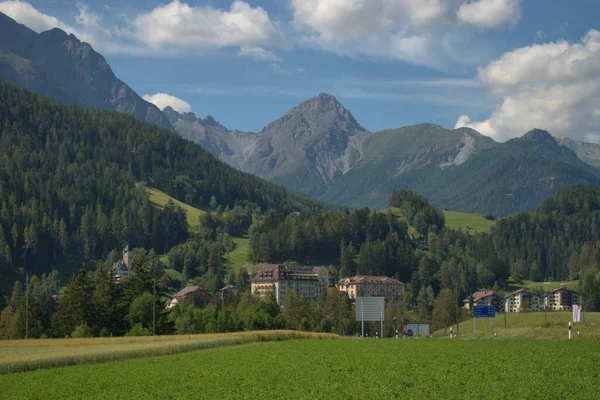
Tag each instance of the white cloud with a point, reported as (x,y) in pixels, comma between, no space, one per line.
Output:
(342,20)
(258,53)
(89,20)
(423,32)
(180,25)
(27,15)
(490,14)
(162,100)
(551,86)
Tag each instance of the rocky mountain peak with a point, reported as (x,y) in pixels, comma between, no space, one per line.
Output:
(539,135)
(210,121)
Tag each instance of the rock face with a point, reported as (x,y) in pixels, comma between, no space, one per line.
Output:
(59,65)
(587,152)
(309,147)
(230,146)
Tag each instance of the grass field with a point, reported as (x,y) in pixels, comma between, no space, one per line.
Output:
(473,223)
(239,256)
(547,286)
(530,326)
(336,369)
(23,355)
(160,199)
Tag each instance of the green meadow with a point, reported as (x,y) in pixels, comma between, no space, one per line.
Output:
(334,369)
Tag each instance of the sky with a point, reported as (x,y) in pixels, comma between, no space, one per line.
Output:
(502,67)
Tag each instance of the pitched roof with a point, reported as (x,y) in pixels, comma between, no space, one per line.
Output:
(523,290)
(228,287)
(480,295)
(563,288)
(185,292)
(378,280)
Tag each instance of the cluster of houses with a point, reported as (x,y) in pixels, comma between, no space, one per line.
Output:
(521,300)
(311,281)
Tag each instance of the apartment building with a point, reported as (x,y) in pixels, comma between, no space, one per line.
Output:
(372,286)
(485,298)
(279,279)
(522,300)
(561,298)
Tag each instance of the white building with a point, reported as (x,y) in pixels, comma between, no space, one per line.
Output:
(561,298)
(279,279)
(522,300)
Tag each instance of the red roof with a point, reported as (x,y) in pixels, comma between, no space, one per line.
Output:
(480,295)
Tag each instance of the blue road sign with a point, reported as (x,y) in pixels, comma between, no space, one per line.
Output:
(484,311)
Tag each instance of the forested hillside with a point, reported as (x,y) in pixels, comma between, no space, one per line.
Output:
(68,184)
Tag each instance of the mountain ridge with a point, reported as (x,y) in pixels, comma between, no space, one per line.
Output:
(63,67)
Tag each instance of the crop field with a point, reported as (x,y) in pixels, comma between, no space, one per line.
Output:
(533,325)
(334,369)
(473,223)
(23,355)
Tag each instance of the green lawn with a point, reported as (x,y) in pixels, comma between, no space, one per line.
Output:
(239,256)
(473,223)
(336,369)
(531,325)
(160,199)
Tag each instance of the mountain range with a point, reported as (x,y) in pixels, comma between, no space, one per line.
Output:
(318,148)
(59,65)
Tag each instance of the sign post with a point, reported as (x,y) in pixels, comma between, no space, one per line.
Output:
(483,312)
(370,309)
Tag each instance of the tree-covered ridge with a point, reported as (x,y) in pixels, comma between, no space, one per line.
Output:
(68,184)
(556,240)
(417,210)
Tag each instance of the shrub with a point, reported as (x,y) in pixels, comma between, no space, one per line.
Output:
(138,330)
(82,331)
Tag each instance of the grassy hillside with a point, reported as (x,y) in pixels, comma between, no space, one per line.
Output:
(473,223)
(239,256)
(547,286)
(161,198)
(534,325)
(334,369)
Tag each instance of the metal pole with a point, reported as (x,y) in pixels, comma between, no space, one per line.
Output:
(154,307)
(382,311)
(26,306)
(362,318)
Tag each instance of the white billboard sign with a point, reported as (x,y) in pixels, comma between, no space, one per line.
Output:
(370,308)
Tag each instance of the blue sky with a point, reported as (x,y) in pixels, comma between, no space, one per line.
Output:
(500,66)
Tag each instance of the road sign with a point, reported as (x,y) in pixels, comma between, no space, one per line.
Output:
(484,312)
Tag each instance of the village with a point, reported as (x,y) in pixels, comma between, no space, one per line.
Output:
(311,281)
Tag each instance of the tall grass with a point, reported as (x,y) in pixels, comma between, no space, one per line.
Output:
(28,355)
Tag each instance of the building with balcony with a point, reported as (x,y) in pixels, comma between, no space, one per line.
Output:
(371,286)
(279,279)
(561,298)
(485,298)
(522,300)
